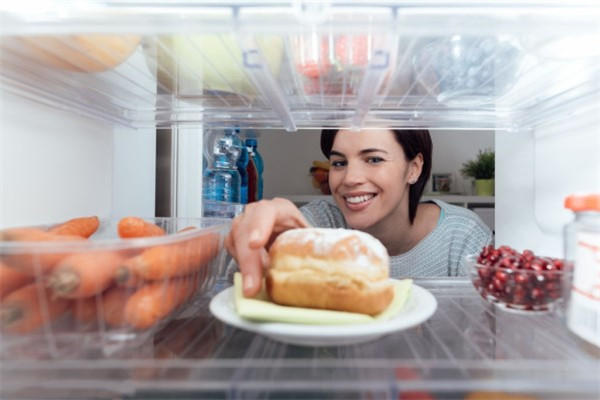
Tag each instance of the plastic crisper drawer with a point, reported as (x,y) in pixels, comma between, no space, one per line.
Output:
(88,297)
(466,350)
(469,66)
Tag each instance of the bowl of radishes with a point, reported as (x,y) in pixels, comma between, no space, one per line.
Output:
(520,282)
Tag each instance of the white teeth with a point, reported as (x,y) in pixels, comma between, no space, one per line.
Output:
(359,199)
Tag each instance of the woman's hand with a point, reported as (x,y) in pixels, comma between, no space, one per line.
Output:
(253,231)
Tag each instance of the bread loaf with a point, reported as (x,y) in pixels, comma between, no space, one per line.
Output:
(333,269)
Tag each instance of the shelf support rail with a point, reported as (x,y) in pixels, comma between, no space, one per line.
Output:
(373,79)
(262,77)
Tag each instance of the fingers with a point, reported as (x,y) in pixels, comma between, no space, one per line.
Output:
(253,231)
(267,219)
(248,257)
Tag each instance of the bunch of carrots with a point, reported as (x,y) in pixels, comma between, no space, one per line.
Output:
(135,288)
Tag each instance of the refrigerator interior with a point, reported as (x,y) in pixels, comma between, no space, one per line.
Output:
(81,120)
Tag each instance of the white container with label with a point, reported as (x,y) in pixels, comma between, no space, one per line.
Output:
(582,240)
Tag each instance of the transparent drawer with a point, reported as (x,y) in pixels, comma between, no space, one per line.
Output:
(308,65)
(104,293)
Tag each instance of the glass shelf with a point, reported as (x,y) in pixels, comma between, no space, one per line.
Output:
(467,346)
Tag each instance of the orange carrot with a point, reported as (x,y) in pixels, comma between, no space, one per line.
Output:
(151,303)
(125,275)
(25,310)
(25,235)
(177,259)
(34,235)
(85,310)
(39,258)
(113,305)
(12,279)
(132,227)
(84,227)
(187,229)
(84,274)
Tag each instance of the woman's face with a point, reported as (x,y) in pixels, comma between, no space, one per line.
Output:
(369,177)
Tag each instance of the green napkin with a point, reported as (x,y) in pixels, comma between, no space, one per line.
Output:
(260,308)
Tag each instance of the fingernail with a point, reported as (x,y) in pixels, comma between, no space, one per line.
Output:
(255,235)
(248,282)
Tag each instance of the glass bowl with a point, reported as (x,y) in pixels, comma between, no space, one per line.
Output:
(468,70)
(538,287)
(105,292)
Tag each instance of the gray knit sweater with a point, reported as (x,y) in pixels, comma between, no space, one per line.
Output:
(459,232)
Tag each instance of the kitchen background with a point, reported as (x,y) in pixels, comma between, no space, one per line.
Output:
(288,158)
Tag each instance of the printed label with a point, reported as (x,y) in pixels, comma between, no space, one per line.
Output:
(584,306)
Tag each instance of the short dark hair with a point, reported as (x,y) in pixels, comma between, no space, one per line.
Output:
(413,142)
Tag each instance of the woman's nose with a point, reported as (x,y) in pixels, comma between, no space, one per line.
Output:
(354,175)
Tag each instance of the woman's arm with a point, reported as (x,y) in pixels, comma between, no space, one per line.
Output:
(253,231)
(479,236)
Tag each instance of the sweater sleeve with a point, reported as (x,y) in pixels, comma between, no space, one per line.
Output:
(323,214)
(471,241)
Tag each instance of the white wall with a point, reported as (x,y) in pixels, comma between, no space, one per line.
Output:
(54,165)
(134,151)
(134,172)
(539,169)
(288,157)
(452,148)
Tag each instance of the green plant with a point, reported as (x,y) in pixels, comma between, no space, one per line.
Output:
(482,167)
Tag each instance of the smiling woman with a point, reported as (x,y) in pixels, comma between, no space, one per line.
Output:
(377,177)
(398,160)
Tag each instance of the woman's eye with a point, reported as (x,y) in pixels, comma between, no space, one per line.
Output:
(338,163)
(374,160)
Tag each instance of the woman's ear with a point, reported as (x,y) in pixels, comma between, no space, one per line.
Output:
(415,167)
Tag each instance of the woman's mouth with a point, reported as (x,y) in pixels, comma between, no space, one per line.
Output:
(359,199)
(359,202)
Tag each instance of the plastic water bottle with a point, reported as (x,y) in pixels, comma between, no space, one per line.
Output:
(258,162)
(221,179)
(242,164)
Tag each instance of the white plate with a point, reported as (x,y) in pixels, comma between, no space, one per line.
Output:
(419,307)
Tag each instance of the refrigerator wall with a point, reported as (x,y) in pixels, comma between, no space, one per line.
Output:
(58,164)
(538,167)
(536,171)
(54,164)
